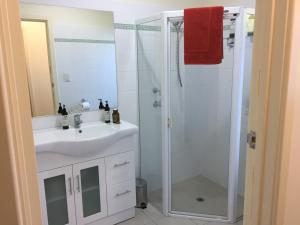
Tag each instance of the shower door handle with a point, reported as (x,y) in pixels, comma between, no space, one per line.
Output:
(78,183)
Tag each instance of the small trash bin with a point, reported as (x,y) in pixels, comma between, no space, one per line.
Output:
(141,193)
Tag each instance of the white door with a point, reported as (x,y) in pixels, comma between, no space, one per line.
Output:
(57,196)
(90,191)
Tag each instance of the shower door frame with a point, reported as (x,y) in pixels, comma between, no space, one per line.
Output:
(236,109)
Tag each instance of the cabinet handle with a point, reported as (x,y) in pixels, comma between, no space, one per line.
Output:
(70,185)
(78,183)
(121,164)
(123,193)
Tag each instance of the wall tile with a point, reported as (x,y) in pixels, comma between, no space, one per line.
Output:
(127,81)
(128,106)
(125,50)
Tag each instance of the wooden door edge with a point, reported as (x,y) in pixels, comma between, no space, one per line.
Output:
(16,117)
(267,113)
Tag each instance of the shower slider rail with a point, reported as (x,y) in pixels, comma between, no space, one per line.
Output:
(231,16)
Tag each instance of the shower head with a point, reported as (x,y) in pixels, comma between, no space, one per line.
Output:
(177,25)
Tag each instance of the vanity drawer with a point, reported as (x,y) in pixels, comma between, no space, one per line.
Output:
(120,168)
(121,197)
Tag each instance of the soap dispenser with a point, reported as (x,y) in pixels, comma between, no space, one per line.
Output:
(60,109)
(101,108)
(59,116)
(106,113)
(65,120)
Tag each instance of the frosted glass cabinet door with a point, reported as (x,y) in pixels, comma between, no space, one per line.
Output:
(90,191)
(57,197)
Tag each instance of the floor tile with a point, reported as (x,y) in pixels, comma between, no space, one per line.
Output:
(139,219)
(199,222)
(239,223)
(153,214)
(174,221)
(219,223)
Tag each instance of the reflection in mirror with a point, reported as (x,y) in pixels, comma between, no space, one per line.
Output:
(70,58)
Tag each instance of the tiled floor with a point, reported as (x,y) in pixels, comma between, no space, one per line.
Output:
(185,194)
(151,216)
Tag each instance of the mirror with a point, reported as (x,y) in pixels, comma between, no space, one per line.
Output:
(70,58)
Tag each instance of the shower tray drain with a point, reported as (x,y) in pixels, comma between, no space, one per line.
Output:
(200,199)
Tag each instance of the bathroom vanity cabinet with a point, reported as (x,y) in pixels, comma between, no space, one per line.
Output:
(95,189)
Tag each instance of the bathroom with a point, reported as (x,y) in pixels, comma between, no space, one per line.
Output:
(148,136)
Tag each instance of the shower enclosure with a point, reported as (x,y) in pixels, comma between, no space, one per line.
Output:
(190,120)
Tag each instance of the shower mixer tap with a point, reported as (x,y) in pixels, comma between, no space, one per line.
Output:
(156,90)
(157,104)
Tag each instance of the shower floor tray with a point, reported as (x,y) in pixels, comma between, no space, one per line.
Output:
(197,195)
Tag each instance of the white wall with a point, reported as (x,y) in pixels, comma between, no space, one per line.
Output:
(70,22)
(127,11)
(86,70)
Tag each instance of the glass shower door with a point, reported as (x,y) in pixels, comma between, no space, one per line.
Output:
(200,113)
(149,44)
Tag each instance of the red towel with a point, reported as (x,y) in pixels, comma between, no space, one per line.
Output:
(203,35)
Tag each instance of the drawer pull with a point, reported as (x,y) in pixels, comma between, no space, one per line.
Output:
(78,183)
(70,186)
(123,193)
(121,164)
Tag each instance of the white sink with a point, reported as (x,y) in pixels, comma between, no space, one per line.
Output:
(88,140)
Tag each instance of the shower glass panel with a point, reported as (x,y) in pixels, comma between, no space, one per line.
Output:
(149,43)
(192,146)
(200,112)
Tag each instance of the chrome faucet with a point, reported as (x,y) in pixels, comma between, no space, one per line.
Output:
(77,120)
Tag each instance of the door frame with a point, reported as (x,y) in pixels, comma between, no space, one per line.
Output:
(18,161)
(267,111)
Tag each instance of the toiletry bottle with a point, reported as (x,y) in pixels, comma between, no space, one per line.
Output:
(116,116)
(106,113)
(60,109)
(101,108)
(60,116)
(65,120)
